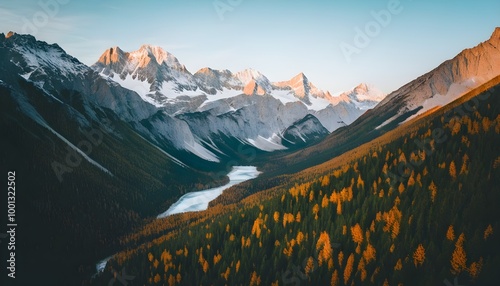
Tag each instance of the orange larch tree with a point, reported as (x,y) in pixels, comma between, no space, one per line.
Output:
(459,257)
(419,255)
(450,234)
(348,268)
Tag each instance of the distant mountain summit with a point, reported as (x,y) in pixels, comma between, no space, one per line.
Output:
(215,81)
(149,70)
(303,89)
(160,78)
(364,92)
(362,96)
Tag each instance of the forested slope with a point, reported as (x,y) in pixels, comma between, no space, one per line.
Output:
(417,207)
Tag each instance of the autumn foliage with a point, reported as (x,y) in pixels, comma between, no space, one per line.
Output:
(399,210)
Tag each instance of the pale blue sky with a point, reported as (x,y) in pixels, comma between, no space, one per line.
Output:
(279,38)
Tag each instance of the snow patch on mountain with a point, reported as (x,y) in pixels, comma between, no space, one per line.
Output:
(142,88)
(200,151)
(168,88)
(212,145)
(270,144)
(285,96)
(225,93)
(54,57)
(455,91)
(26,76)
(318,103)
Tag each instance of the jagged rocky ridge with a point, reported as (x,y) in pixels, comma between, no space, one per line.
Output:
(245,105)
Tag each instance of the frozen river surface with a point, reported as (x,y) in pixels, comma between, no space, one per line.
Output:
(198,201)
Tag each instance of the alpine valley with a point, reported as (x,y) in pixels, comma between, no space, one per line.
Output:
(302,186)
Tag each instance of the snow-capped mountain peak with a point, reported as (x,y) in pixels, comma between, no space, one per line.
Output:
(300,85)
(159,55)
(142,58)
(365,92)
(39,60)
(247,75)
(207,71)
(254,82)
(152,72)
(304,90)
(208,76)
(216,81)
(363,96)
(160,78)
(112,55)
(253,87)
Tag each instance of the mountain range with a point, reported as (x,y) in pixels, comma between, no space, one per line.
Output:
(123,139)
(224,99)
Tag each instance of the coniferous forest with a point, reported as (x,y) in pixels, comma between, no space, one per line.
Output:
(417,206)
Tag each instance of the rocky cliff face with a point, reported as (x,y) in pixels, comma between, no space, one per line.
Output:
(304,131)
(253,88)
(469,69)
(213,81)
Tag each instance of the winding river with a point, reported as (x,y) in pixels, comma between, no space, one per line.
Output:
(198,201)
